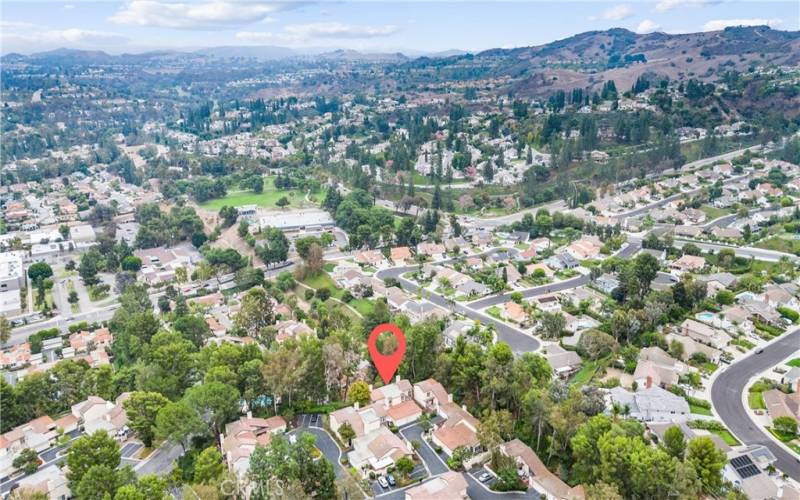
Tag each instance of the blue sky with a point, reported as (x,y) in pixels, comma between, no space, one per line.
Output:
(140,25)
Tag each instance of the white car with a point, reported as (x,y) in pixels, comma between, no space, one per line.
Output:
(484,477)
(383,482)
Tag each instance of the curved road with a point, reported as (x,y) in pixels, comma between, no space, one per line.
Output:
(726,397)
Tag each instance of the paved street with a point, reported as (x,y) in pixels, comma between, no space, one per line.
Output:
(160,462)
(434,463)
(726,396)
(747,252)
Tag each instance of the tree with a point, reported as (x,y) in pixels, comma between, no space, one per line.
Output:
(39,271)
(131,263)
(287,462)
(495,428)
(785,425)
(193,328)
(602,491)
(552,325)
(89,266)
(674,442)
(255,313)
(142,409)
(359,393)
(27,461)
(72,297)
(708,461)
(91,450)
(596,344)
(282,202)
(404,466)
(346,433)
(5,329)
(146,488)
(315,260)
(216,402)
(98,483)
(208,466)
(178,422)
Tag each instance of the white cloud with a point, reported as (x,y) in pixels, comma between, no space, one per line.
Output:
(205,15)
(721,24)
(665,5)
(68,6)
(338,30)
(617,13)
(73,37)
(647,26)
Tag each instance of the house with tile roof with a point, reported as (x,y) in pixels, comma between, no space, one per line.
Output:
(242,436)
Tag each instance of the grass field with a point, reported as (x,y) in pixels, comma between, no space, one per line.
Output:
(266,199)
(756,401)
(585,374)
(780,245)
(364,306)
(794,362)
(323,281)
(713,212)
(700,410)
(727,437)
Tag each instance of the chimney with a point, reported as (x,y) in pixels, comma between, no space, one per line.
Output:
(449,398)
(397,379)
(249,414)
(356,405)
(649,382)
(464,407)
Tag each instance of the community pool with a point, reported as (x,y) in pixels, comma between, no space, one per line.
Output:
(705,316)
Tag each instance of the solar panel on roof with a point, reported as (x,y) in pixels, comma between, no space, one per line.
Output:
(741,461)
(748,471)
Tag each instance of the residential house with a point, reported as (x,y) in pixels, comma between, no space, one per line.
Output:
(656,367)
(95,413)
(691,346)
(458,430)
(607,282)
(362,420)
(792,379)
(455,330)
(514,312)
(726,233)
(472,289)
(435,251)
(747,469)
(563,362)
(370,258)
(776,296)
(431,395)
(688,263)
(511,273)
(541,244)
(401,256)
(547,303)
(780,404)
(482,239)
(291,329)
(418,311)
(396,298)
(650,404)
(85,340)
(537,475)
(50,481)
(530,270)
(587,247)
(16,356)
(241,437)
(377,451)
(447,486)
(704,333)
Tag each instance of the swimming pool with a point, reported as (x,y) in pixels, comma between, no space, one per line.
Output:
(705,316)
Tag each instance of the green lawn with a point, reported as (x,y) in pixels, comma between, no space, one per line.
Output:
(329,267)
(494,311)
(713,212)
(700,410)
(266,199)
(727,437)
(585,374)
(323,280)
(756,400)
(794,363)
(780,245)
(364,306)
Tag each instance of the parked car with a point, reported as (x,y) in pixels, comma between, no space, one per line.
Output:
(382,481)
(759,350)
(391,480)
(484,477)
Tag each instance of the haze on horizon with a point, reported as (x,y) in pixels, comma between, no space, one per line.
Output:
(393,26)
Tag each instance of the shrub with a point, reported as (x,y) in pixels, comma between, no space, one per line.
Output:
(309,294)
(323,294)
(789,313)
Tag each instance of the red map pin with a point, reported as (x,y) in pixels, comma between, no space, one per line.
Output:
(386,363)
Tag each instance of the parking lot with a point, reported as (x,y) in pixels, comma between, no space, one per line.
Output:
(478,473)
(419,472)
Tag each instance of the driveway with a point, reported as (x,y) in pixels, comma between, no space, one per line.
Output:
(433,461)
(726,397)
(324,441)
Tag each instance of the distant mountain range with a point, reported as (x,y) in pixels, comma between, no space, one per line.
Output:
(585,60)
(259,52)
